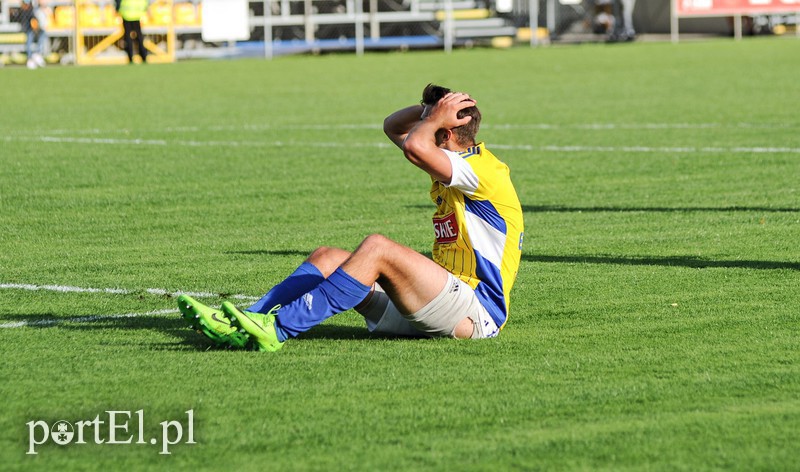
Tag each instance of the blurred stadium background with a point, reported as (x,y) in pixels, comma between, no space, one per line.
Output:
(89,31)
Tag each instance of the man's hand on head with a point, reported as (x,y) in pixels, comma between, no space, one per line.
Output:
(445,112)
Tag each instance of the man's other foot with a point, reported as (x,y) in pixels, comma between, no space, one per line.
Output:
(259,327)
(212,323)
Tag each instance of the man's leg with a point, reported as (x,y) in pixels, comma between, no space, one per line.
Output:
(216,326)
(38,55)
(137,28)
(44,44)
(411,280)
(29,37)
(627,17)
(126,25)
(318,267)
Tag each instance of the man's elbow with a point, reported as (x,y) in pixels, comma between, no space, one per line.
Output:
(387,126)
(412,149)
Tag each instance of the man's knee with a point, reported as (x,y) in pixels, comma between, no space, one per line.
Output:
(466,329)
(320,253)
(376,242)
(327,259)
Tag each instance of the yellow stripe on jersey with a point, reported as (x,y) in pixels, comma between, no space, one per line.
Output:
(478,227)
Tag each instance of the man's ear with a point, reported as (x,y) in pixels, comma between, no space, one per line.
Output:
(448,135)
(442,136)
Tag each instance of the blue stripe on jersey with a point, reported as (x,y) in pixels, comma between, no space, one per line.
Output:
(490,289)
(487,212)
(471,151)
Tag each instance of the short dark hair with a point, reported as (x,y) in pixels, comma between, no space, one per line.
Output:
(465,134)
(433,93)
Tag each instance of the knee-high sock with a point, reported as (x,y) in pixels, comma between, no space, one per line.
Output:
(304,279)
(336,294)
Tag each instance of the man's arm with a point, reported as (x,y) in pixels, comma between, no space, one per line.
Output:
(398,124)
(420,146)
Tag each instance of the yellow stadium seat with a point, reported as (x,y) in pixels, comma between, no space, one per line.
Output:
(90,15)
(468,14)
(185,14)
(64,16)
(160,14)
(110,16)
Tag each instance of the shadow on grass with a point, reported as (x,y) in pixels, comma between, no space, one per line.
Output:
(171,325)
(673,261)
(186,338)
(668,261)
(276,252)
(348,332)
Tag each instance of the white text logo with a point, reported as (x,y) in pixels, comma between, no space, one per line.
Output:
(113,427)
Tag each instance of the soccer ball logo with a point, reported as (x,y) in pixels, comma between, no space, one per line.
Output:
(62,432)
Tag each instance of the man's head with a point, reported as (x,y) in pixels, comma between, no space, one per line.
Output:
(465,134)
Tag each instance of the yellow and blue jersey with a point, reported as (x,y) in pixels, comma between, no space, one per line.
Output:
(478,227)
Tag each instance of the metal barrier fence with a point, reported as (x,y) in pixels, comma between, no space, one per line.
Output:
(89,31)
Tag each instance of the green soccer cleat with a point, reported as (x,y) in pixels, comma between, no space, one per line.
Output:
(212,323)
(260,327)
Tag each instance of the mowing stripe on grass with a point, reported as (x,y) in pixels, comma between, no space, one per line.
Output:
(497,126)
(326,144)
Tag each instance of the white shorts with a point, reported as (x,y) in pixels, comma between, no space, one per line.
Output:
(438,318)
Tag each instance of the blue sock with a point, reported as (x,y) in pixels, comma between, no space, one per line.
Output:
(304,279)
(336,294)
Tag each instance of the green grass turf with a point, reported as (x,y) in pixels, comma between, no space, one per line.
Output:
(654,322)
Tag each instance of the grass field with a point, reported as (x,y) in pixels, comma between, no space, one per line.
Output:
(654,324)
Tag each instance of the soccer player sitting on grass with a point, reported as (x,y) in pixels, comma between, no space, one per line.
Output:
(462,292)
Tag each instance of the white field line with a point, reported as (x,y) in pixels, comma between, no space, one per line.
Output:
(119,291)
(332,144)
(375,126)
(112,291)
(82,319)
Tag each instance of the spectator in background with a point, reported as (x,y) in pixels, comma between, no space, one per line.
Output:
(603,20)
(626,33)
(33,22)
(131,12)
